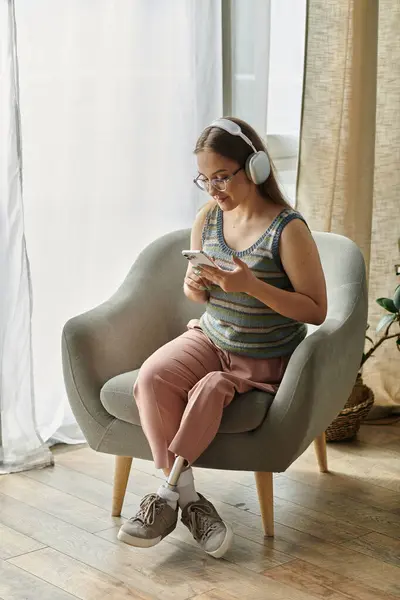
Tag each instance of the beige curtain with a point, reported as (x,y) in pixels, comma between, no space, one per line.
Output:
(349,165)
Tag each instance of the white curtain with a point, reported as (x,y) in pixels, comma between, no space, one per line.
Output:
(113,96)
(20,443)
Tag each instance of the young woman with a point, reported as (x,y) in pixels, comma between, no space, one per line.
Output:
(267,283)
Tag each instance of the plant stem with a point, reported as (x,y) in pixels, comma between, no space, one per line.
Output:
(378,343)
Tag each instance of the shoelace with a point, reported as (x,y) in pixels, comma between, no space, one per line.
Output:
(150,506)
(200,525)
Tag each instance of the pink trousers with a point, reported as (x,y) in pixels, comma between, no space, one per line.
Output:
(184,386)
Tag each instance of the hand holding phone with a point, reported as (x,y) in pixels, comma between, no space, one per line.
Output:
(196,259)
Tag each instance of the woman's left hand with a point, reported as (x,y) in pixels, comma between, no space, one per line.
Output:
(238,280)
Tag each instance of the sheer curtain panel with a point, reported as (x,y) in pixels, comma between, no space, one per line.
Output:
(113,96)
(21,446)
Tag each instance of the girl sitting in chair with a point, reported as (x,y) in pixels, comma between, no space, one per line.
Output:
(266,283)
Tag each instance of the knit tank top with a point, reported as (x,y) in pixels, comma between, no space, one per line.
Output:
(235,321)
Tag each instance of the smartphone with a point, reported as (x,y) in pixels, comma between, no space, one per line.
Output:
(197,258)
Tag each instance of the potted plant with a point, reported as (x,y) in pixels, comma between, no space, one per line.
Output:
(361,399)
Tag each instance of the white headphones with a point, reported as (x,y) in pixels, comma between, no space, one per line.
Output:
(257,166)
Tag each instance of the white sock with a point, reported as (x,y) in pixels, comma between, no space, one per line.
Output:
(168,495)
(185,488)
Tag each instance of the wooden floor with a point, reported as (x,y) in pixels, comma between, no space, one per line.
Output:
(337,535)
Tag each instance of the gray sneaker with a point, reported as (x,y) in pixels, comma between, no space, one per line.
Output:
(208,529)
(153,522)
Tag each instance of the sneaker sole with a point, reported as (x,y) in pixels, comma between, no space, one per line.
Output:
(137,542)
(142,542)
(226,544)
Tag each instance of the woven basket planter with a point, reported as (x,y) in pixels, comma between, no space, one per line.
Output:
(348,421)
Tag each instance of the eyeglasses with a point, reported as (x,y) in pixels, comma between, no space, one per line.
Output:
(218,184)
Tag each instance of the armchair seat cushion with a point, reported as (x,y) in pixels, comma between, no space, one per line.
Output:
(245,413)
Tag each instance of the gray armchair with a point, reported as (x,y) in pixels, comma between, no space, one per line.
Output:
(104,348)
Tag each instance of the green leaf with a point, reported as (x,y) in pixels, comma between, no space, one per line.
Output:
(396,297)
(387,304)
(385,321)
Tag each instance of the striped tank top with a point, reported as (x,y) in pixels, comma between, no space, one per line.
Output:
(235,321)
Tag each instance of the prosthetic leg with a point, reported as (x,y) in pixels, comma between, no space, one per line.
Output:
(176,470)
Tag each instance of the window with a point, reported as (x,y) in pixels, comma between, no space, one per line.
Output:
(263,59)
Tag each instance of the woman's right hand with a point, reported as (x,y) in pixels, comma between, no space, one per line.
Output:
(195,282)
(195,287)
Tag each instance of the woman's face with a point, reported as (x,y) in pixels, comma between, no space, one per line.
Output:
(213,166)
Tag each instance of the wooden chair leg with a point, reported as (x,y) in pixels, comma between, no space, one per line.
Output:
(320,450)
(121,476)
(265,490)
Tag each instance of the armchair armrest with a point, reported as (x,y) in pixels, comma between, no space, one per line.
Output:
(321,373)
(121,333)
(113,338)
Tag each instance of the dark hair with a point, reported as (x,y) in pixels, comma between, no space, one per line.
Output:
(234,147)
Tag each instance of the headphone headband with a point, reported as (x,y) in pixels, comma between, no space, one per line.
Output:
(233,129)
(258,166)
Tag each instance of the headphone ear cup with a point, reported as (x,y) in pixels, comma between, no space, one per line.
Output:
(258,167)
